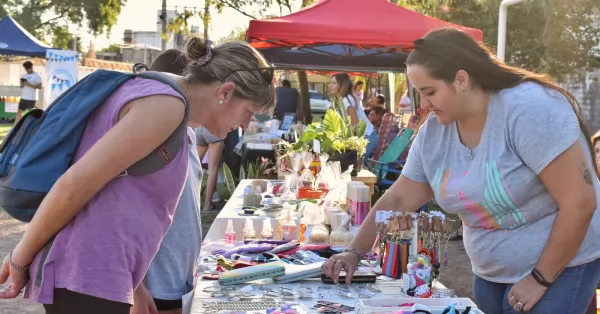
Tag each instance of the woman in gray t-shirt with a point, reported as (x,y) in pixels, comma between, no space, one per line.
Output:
(508,151)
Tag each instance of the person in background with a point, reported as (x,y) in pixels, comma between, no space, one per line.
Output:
(358,90)
(93,238)
(30,83)
(171,273)
(208,143)
(509,152)
(596,145)
(288,100)
(404,106)
(375,117)
(341,88)
(376,101)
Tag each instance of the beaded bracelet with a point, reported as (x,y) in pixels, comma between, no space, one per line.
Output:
(13,264)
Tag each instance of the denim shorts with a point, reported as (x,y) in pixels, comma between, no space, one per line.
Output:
(572,292)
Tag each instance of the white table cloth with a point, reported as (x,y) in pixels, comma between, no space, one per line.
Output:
(230,211)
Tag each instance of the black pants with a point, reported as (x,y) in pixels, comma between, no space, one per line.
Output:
(69,302)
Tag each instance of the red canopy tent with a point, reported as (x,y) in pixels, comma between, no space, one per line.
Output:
(364,23)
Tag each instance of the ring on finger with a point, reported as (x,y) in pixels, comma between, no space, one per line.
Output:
(518,306)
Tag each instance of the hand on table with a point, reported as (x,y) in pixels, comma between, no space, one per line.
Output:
(333,266)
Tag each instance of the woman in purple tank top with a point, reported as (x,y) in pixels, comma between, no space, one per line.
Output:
(94,236)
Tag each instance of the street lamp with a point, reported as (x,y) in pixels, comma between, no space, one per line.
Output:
(501,49)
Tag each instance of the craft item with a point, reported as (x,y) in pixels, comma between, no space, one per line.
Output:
(447,234)
(395,259)
(249,210)
(295,273)
(288,227)
(337,219)
(237,276)
(248,189)
(249,248)
(319,234)
(303,192)
(307,178)
(252,200)
(273,210)
(359,277)
(260,184)
(239,306)
(341,236)
(285,247)
(248,232)
(229,232)
(350,191)
(314,194)
(267,241)
(361,203)
(329,212)
(267,231)
(420,273)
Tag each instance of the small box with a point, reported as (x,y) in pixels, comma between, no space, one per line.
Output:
(237,276)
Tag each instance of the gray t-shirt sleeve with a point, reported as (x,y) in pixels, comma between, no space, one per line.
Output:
(413,169)
(204,138)
(541,126)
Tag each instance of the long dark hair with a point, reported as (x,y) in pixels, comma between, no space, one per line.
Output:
(346,87)
(443,52)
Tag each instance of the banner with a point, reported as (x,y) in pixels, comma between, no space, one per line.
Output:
(61,73)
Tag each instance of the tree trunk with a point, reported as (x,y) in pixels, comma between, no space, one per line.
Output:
(304,97)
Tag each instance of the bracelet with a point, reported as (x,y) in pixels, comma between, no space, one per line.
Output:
(355,252)
(10,262)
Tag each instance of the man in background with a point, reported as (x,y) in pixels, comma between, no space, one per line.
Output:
(207,142)
(288,100)
(30,83)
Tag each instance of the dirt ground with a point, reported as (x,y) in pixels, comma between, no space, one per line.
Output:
(457,275)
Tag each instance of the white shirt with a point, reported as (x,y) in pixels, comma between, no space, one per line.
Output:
(30,93)
(405,100)
(360,112)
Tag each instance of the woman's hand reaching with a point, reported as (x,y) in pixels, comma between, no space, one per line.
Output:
(347,261)
(16,268)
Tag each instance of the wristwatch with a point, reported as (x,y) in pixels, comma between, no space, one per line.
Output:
(539,278)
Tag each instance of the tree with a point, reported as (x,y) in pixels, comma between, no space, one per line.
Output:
(236,34)
(557,37)
(47,20)
(112,48)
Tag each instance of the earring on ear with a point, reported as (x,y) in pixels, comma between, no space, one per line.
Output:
(464,89)
(220,102)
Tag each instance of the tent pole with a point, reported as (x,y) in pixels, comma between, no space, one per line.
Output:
(502,17)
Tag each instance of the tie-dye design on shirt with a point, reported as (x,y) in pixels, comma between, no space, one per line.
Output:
(495,209)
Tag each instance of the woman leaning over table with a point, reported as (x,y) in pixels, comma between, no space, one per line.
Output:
(106,229)
(505,149)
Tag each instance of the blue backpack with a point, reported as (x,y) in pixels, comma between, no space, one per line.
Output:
(41,146)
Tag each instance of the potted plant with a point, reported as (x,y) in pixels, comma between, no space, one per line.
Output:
(338,138)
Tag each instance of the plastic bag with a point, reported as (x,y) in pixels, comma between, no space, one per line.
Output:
(341,236)
(307,178)
(291,180)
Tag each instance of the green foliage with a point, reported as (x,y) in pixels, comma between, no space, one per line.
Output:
(238,34)
(335,135)
(112,48)
(229,180)
(47,20)
(557,37)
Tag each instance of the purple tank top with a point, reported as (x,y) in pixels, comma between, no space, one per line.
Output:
(107,248)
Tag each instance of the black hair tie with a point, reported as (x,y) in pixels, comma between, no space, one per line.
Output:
(419,43)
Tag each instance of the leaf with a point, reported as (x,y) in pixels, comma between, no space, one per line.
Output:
(251,171)
(307,137)
(332,122)
(361,128)
(242,174)
(229,181)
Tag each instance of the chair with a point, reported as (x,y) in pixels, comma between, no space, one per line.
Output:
(389,162)
(387,133)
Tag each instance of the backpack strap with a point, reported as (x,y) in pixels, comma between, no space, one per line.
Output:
(166,151)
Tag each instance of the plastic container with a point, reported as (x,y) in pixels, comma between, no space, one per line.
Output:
(267,230)
(249,233)
(365,306)
(230,232)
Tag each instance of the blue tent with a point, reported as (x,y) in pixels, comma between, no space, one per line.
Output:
(16,41)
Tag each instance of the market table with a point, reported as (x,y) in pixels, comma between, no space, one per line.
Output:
(365,176)
(230,211)
(390,289)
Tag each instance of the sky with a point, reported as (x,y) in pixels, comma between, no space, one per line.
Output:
(141,15)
